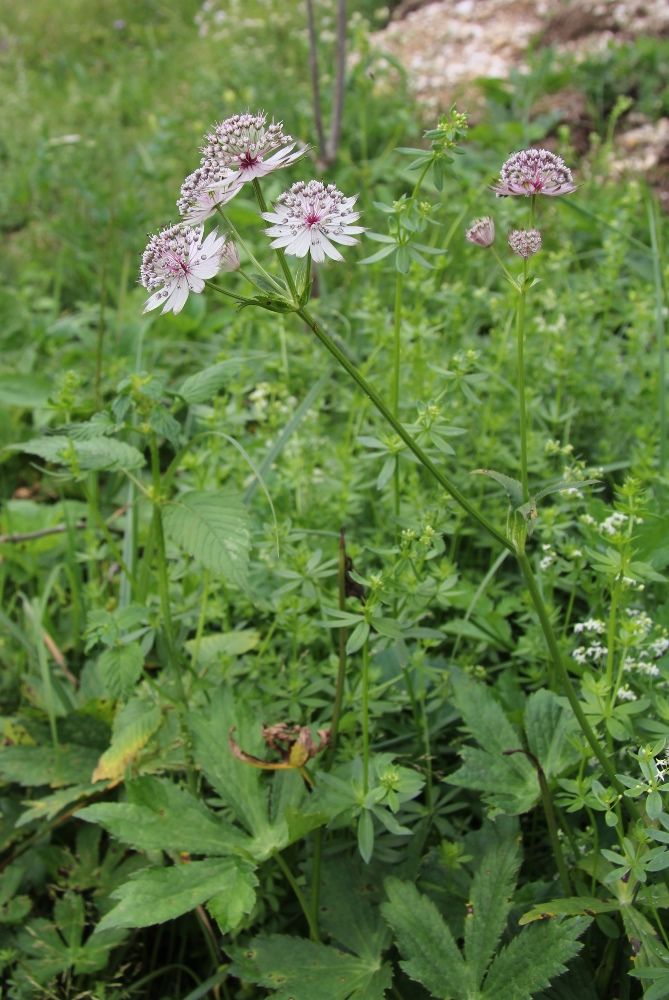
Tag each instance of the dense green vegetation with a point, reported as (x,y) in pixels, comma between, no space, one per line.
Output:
(217,553)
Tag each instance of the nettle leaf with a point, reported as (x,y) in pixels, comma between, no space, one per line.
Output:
(533,959)
(297,969)
(161,816)
(121,667)
(430,954)
(26,391)
(204,385)
(213,529)
(96,454)
(134,726)
(508,782)
(552,732)
(155,895)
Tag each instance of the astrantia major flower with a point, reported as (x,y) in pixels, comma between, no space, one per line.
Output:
(203,190)
(177,261)
(481,232)
(309,218)
(535,171)
(525,242)
(250,147)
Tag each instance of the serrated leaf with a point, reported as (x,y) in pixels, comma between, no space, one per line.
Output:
(134,726)
(161,816)
(121,667)
(429,952)
(213,529)
(489,905)
(297,969)
(230,907)
(155,895)
(204,385)
(97,454)
(552,732)
(348,910)
(67,764)
(535,957)
(211,647)
(572,906)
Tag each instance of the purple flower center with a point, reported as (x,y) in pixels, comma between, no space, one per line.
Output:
(248,160)
(312,219)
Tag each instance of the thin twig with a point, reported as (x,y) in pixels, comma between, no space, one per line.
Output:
(338,90)
(57,529)
(315,82)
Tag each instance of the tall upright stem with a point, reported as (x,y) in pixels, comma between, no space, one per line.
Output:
(660,334)
(408,439)
(365,716)
(522,409)
(395,385)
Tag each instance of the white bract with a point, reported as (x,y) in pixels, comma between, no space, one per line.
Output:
(310,218)
(178,261)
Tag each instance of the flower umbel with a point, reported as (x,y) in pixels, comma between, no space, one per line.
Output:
(535,171)
(525,242)
(204,189)
(481,232)
(309,218)
(249,147)
(178,261)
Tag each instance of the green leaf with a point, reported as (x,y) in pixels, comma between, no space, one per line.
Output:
(357,638)
(430,954)
(508,781)
(297,969)
(230,907)
(220,644)
(155,895)
(213,529)
(572,906)
(535,957)
(347,912)
(67,764)
(552,732)
(366,835)
(97,454)
(134,725)
(26,391)
(512,487)
(204,385)
(161,816)
(489,905)
(121,667)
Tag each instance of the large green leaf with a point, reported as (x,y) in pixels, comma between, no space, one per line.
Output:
(552,732)
(347,912)
(430,954)
(161,816)
(204,385)
(155,895)
(489,905)
(121,667)
(211,647)
(96,454)
(55,766)
(25,391)
(213,529)
(134,725)
(297,969)
(533,958)
(508,781)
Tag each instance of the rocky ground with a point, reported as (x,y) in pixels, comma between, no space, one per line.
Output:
(445,45)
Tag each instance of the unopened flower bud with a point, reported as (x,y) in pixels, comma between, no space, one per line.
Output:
(525,242)
(481,232)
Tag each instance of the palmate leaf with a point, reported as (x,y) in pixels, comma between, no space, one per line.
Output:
(155,895)
(489,905)
(161,816)
(67,764)
(213,529)
(431,956)
(535,957)
(347,912)
(297,969)
(509,782)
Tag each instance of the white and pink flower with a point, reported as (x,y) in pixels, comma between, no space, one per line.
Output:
(310,218)
(204,190)
(535,171)
(248,146)
(178,261)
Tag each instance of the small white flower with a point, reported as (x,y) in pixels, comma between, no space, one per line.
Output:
(546,561)
(250,147)
(309,218)
(205,189)
(177,261)
(625,693)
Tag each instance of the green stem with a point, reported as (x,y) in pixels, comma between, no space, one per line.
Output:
(395,384)
(567,685)
(299,895)
(410,441)
(279,252)
(659,328)
(341,670)
(522,408)
(246,250)
(365,716)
